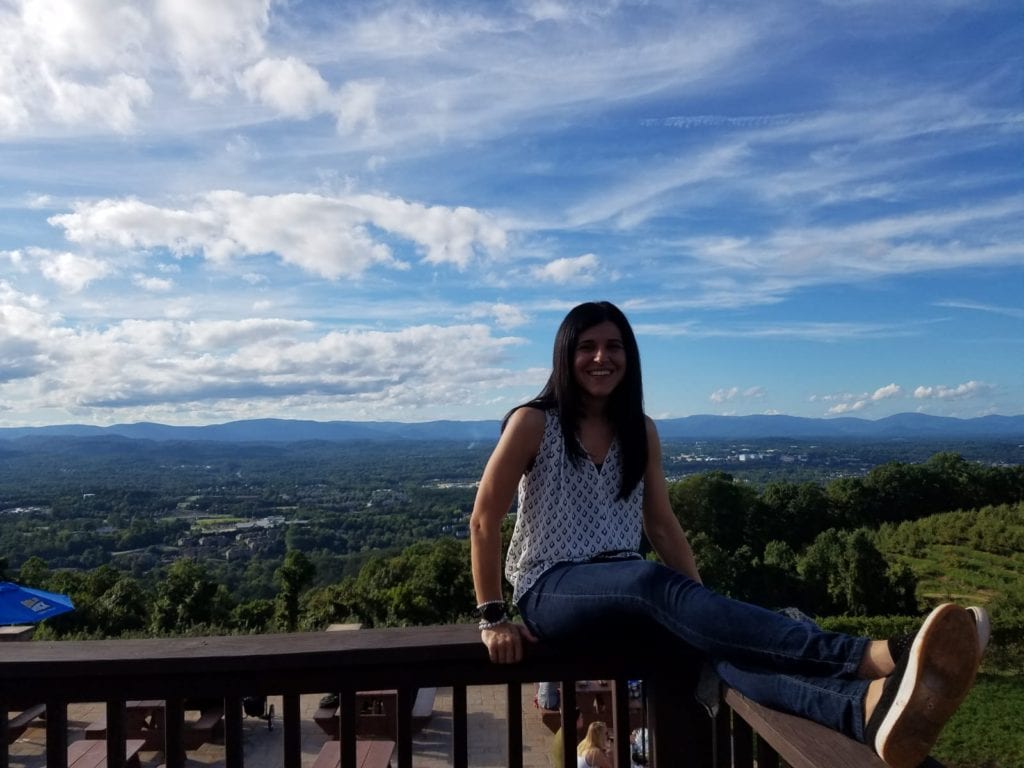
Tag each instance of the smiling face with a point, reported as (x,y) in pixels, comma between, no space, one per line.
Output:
(599,363)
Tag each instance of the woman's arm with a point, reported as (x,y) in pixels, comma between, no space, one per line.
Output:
(516,448)
(660,523)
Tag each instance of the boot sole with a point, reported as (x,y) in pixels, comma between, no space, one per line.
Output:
(940,671)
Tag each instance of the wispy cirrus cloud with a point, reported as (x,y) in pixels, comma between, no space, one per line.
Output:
(1015,312)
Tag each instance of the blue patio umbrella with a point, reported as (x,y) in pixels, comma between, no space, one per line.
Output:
(24,605)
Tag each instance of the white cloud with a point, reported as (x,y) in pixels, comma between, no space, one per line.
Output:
(210,42)
(25,334)
(728,394)
(356,107)
(960,392)
(724,395)
(847,402)
(767,268)
(851,407)
(153,284)
(887,392)
(289,86)
(504,315)
(70,271)
(39,201)
(579,269)
(978,306)
(326,236)
(224,367)
(72,62)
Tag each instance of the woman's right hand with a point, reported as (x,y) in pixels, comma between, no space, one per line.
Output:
(505,641)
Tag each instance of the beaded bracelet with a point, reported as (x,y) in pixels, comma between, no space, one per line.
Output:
(492,624)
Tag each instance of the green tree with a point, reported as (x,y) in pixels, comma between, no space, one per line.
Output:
(253,615)
(188,597)
(716,505)
(794,513)
(34,573)
(435,584)
(844,572)
(123,607)
(334,603)
(294,575)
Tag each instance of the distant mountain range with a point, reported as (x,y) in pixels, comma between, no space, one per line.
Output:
(900,426)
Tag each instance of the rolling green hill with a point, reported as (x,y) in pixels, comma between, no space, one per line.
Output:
(976,557)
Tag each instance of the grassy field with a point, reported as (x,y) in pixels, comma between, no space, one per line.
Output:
(974,558)
(986,731)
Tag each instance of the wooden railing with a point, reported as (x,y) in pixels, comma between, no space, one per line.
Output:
(230,668)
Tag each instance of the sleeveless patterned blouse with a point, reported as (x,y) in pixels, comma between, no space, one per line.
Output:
(568,513)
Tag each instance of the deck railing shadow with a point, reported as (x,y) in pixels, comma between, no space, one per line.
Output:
(230,668)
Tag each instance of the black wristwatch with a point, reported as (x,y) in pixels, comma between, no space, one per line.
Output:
(492,613)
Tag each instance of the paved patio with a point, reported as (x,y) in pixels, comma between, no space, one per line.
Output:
(263,748)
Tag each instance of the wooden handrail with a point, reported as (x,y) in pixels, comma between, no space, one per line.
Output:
(404,659)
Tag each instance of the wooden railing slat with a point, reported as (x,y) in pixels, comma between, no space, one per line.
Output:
(233,757)
(569,707)
(291,716)
(174,732)
(460,731)
(115,734)
(514,718)
(56,733)
(403,722)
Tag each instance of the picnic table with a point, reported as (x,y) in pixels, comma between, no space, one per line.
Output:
(144,719)
(369,754)
(18,723)
(376,713)
(88,753)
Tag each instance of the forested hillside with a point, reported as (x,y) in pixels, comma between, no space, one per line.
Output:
(866,553)
(848,546)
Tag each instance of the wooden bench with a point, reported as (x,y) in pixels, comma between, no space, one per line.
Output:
(423,707)
(803,743)
(369,754)
(18,724)
(552,718)
(376,716)
(207,728)
(89,753)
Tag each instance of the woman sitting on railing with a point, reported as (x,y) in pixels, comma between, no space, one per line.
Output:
(587,464)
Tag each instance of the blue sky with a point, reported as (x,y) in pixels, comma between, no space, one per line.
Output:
(360,210)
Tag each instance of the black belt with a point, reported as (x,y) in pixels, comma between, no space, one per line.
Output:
(616,554)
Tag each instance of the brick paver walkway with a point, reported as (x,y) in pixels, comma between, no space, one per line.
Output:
(263,748)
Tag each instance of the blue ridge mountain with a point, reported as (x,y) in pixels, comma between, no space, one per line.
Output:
(702,427)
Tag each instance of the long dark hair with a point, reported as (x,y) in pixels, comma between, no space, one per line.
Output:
(625,405)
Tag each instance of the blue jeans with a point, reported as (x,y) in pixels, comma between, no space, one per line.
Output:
(780,662)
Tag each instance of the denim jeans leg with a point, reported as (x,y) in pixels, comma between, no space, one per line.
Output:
(836,702)
(580,599)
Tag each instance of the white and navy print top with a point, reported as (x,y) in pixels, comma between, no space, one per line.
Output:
(569,513)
